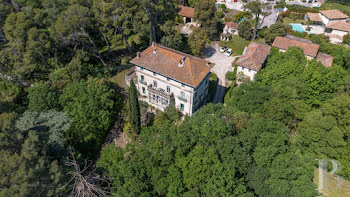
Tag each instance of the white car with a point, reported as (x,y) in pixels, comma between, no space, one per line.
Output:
(315,5)
(228,52)
(223,49)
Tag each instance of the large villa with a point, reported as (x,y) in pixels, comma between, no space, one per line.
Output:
(164,74)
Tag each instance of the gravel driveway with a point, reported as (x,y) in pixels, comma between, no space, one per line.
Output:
(222,65)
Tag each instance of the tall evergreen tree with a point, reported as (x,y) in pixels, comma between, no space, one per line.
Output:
(134,108)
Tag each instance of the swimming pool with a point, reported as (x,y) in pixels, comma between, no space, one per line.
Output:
(297,27)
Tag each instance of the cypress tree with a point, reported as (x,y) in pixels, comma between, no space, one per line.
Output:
(134,109)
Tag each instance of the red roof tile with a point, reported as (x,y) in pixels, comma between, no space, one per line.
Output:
(325,59)
(165,61)
(339,25)
(231,25)
(333,14)
(186,11)
(284,43)
(314,17)
(254,56)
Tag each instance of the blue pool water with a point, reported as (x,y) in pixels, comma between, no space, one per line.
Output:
(297,27)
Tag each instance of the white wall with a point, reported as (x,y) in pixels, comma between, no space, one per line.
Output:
(175,87)
(247,72)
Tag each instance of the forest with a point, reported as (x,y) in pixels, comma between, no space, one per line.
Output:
(59,107)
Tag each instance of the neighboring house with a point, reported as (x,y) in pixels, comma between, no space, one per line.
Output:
(283,43)
(334,22)
(163,73)
(338,29)
(325,59)
(230,29)
(328,16)
(188,15)
(314,17)
(252,59)
(310,49)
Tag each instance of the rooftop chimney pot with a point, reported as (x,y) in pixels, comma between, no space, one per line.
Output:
(138,54)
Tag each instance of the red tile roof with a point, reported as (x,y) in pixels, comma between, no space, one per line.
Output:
(284,43)
(186,11)
(333,14)
(314,17)
(325,59)
(339,25)
(254,56)
(166,61)
(231,25)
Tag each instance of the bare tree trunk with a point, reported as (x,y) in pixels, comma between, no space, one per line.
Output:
(96,54)
(85,181)
(154,31)
(121,31)
(256,25)
(106,41)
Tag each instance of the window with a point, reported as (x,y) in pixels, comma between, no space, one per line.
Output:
(154,74)
(142,78)
(168,79)
(183,85)
(182,94)
(141,68)
(155,83)
(143,90)
(182,107)
(168,89)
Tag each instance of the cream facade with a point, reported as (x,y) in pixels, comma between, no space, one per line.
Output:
(157,90)
(246,72)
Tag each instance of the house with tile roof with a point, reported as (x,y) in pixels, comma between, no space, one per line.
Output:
(188,15)
(311,50)
(252,59)
(283,43)
(328,16)
(164,73)
(335,23)
(230,28)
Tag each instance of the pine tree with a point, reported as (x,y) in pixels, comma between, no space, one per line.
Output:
(134,109)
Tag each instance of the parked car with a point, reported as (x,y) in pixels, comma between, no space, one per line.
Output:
(315,5)
(228,52)
(223,49)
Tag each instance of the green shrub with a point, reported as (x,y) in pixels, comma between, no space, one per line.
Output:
(220,14)
(223,8)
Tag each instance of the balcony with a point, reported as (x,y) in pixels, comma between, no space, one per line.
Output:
(158,91)
(182,98)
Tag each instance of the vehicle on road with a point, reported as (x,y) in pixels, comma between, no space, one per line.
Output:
(315,5)
(223,49)
(228,52)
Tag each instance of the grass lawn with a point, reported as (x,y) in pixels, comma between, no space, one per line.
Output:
(331,5)
(287,20)
(237,44)
(342,191)
(119,78)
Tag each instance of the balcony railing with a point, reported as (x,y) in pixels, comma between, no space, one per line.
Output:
(158,91)
(182,98)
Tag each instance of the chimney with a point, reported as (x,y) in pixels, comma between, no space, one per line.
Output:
(182,61)
(153,44)
(138,54)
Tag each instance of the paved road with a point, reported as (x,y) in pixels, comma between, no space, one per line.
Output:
(270,19)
